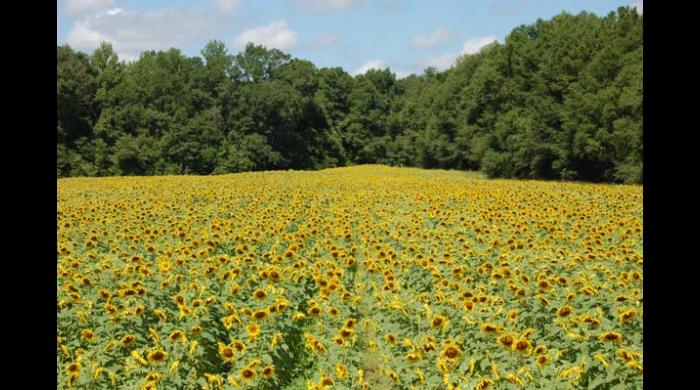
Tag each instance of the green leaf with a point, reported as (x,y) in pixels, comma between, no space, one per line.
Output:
(595,383)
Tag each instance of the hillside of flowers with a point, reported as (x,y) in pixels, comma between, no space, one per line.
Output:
(364,277)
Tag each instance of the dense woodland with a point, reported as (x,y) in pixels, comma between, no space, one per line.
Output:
(560,99)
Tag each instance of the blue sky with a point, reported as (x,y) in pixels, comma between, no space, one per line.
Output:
(405,35)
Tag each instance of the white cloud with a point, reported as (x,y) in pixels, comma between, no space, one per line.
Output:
(442,62)
(227,6)
(639,5)
(473,45)
(438,37)
(402,74)
(326,5)
(75,7)
(132,32)
(274,35)
(324,41)
(82,36)
(374,64)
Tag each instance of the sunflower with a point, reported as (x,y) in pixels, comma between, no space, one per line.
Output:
(572,372)
(157,356)
(127,340)
(154,377)
(230,320)
(442,365)
(104,294)
(636,366)
(438,322)
(298,316)
(338,340)
(315,311)
(340,371)
(73,368)
(227,353)
(625,355)
(177,336)
(259,294)
(267,372)
(195,330)
(253,330)
(136,355)
(350,323)
(601,358)
(506,340)
(238,345)
(512,377)
(627,315)
(248,374)
(87,335)
(261,314)
(610,336)
(72,379)
(527,332)
(326,381)
(160,314)
(276,338)
(390,338)
(318,346)
(346,333)
(490,328)
(429,346)
(542,360)
(213,380)
(564,311)
(282,305)
(522,345)
(484,384)
(592,321)
(412,357)
(179,299)
(394,376)
(451,352)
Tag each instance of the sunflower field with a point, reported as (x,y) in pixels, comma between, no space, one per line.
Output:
(366,277)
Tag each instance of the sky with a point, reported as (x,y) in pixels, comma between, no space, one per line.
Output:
(405,35)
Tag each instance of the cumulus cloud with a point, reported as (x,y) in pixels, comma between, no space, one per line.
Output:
(75,7)
(374,64)
(131,32)
(274,35)
(471,46)
(326,5)
(639,5)
(442,62)
(115,11)
(227,6)
(430,41)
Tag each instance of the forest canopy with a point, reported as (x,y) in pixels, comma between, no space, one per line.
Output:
(559,99)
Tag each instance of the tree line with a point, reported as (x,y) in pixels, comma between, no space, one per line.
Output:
(560,99)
